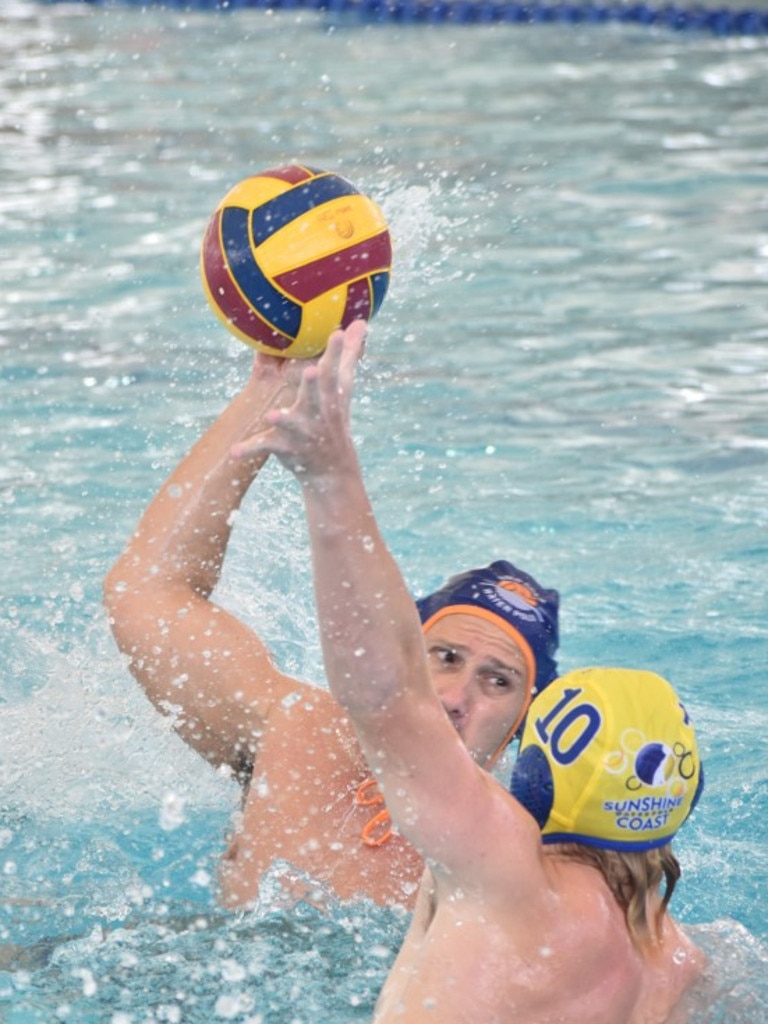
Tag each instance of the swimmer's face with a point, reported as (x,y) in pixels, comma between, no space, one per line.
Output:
(481,677)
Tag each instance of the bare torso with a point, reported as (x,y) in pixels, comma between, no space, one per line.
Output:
(467,959)
(301,808)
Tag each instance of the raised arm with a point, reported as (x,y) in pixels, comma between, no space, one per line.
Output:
(357,583)
(189,654)
(372,640)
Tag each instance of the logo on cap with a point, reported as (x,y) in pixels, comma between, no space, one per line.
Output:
(654,765)
(513,597)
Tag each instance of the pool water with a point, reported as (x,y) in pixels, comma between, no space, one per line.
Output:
(570,371)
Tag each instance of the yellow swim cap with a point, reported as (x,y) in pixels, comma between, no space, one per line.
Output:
(608,758)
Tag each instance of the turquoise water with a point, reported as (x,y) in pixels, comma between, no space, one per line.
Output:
(570,370)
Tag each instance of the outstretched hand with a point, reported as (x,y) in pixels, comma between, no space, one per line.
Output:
(311,438)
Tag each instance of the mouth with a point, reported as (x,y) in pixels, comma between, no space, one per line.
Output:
(455,722)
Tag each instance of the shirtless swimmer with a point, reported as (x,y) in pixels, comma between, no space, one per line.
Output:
(545,906)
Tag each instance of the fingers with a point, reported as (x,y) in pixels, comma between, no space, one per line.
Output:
(351,355)
(281,426)
(339,361)
(321,402)
(256,444)
(354,337)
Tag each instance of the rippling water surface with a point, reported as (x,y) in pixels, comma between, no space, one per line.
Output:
(570,370)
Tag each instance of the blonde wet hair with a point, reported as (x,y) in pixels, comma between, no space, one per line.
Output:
(632,876)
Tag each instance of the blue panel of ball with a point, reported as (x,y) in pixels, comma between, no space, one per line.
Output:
(281,312)
(281,210)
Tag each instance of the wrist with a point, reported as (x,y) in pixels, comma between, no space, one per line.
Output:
(336,502)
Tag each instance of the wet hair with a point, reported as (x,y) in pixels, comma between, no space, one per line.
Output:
(632,876)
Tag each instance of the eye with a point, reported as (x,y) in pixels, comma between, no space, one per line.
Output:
(499,682)
(502,683)
(444,655)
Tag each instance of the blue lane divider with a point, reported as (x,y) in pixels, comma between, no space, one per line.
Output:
(717,20)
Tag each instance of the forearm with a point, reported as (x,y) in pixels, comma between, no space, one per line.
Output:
(183,535)
(369,625)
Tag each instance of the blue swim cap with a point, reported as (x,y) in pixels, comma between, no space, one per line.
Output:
(520,605)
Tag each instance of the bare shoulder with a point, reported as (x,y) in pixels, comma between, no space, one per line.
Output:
(672,972)
(647,982)
(631,984)
(308,732)
(566,954)
(561,955)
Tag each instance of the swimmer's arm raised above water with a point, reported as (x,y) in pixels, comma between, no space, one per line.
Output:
(373,646)
(185,650)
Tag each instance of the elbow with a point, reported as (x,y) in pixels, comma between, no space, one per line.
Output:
(119,591)
(114,586)
(126,606)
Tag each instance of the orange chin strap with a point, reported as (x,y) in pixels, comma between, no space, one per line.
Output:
(378,830)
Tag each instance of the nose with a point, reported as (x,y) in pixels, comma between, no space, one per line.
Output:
(454,693)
